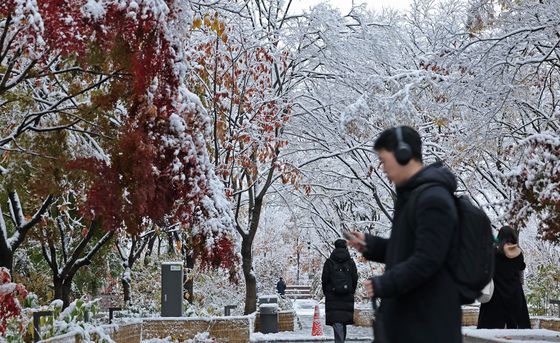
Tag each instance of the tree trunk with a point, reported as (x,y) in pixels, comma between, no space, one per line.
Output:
(250,280)
(127,290)
(66,290)
(63,280)
(247,258)
(60,292)
(57,288)
(6,258)
(22,227)
(188,281)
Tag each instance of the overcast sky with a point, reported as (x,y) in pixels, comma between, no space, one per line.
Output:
(344,5)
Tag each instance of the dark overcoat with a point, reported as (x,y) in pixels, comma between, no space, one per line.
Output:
(420,301)
(507,307)
(339,308)
(281,287)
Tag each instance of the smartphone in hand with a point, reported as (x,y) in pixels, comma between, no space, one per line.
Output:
(349,236)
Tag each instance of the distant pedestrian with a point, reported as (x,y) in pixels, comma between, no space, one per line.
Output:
(507,308)
(339,281)
(281,287)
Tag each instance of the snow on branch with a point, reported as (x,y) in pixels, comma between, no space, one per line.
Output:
(536,183)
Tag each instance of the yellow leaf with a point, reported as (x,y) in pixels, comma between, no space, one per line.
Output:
(221,28)
(179,245)
(215,25)
(197,23)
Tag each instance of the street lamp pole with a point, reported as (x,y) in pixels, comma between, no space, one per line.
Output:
(297,261)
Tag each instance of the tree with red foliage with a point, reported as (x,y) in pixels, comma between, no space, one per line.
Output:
(114,70)
(243,78)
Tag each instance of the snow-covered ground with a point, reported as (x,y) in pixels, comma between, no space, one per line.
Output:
(305,309)
(472,334)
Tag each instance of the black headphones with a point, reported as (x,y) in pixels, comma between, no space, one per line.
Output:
(403,154)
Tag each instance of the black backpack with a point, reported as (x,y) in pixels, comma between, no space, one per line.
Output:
(472,260)
(340,278)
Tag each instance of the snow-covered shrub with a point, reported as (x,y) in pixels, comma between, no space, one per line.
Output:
(146,289)
(76,318)
(11,323)
(543,285)
(212,292)
(201,337)
(536,184)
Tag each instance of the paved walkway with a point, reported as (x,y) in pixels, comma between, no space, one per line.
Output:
(364,334)
(473,335)
(302,333)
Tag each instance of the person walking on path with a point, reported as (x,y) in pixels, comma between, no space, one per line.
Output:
(420,301)
(507,308)
(281,287)
(339,281)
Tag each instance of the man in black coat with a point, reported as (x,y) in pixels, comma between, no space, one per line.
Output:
(420,301)
(339,281)
(281,287)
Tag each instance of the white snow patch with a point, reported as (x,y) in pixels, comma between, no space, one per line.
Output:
(177,124)
(94,9)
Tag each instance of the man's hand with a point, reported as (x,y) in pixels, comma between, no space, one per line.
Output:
(369,287)
(356,240)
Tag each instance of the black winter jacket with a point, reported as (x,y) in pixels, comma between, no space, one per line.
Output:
(420,301)
(339,308)
(507,307)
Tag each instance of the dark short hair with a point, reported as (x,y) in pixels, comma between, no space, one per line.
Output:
(340,243)
(507,235)
(388,140)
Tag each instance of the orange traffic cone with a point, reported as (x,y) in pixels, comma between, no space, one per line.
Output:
(317,329)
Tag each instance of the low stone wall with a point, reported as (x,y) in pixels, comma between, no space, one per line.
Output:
(68,338)
(549,323)
(363,316)
(470,316)
(224,329)
(285,321)
(125,333)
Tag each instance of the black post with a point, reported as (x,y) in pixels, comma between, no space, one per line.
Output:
(228,308)
(37,323)
(111,310)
